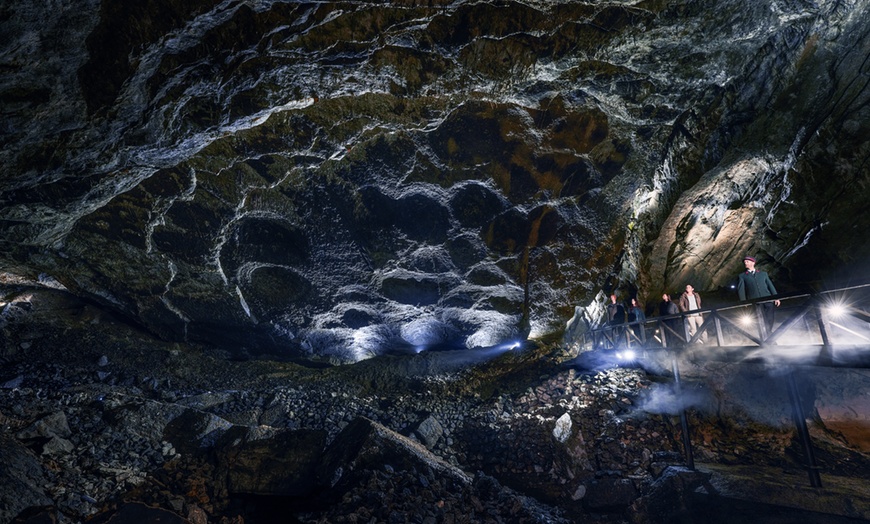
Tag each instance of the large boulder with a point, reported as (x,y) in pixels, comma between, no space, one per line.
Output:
(268,461)
(365,445)
(22,477)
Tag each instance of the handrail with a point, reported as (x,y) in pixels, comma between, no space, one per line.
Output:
(724,330)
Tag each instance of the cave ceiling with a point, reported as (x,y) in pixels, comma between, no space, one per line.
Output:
(339,179)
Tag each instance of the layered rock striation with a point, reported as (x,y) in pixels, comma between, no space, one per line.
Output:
(338,180)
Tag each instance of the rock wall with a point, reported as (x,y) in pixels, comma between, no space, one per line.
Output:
(337,180)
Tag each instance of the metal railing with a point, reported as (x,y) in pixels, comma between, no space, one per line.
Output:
(824,329)
(830,328)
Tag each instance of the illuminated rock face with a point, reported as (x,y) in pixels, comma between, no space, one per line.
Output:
(340,179)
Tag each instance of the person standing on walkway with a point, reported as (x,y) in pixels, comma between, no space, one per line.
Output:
(615,316)
(690,301)
(753,284)
(615,311)
(668,307)
(637,314)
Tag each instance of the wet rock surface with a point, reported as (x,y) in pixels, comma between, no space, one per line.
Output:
(104,423)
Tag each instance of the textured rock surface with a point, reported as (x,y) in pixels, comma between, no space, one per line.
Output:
(341,179)
(22,479)
(262,461)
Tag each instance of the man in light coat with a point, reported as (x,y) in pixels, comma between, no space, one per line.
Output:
(689,301)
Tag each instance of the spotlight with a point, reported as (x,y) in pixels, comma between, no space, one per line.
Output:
(745,320)
(836,310)
(628,354)
(509,346)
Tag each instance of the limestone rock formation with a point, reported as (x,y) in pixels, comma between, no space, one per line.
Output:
(337,180)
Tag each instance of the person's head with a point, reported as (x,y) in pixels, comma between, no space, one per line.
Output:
(666,297)
(613,298)
(689,289)
(749,262)
(634,302)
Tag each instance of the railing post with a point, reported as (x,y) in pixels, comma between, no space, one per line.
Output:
(826,355)
(800,421)
(717,322)
(684,419)
(685,320)
(762,324)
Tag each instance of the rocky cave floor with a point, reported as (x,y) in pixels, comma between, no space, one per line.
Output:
(104,423)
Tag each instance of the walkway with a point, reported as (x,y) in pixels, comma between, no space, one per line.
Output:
(831,329)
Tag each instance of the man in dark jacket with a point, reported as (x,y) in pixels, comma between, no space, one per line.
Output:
(668,307)
(615,311)
(753,284)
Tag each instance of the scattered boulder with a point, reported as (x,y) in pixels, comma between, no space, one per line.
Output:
(58,446)
(136,513)
(38,515)
(54,425)
(608,494)
(429,431)
(268,461)
(193,431)
(365,444)
(22,477)
(48,435)
(562,431)
(665,500)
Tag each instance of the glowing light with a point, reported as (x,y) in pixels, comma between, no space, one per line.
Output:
(628,354)
(745,320)
(836,310)
(510,346)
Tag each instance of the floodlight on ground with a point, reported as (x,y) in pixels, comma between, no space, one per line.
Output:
(745,320)
(510,346)
(626,355)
